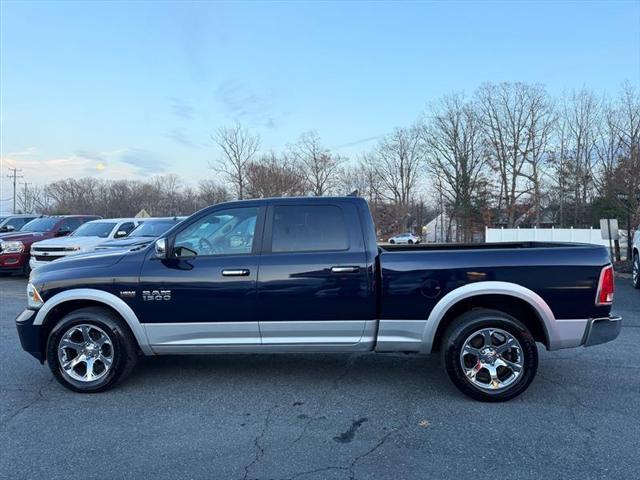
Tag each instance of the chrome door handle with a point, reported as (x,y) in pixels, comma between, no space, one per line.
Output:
(345,269)
(236,272)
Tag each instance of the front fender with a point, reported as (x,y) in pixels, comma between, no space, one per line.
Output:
(99,296)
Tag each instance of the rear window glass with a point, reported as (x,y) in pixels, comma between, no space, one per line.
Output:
(308,228)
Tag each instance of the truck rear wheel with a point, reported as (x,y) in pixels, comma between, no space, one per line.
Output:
(636,270)
(489,355)
(90,350)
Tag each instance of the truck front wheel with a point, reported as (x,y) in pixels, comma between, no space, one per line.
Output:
(90,350)
(489,355)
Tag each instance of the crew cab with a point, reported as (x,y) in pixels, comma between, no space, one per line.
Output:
(85,238)
(306,275)
(16,246)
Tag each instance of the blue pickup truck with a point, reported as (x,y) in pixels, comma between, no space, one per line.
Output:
(307,275)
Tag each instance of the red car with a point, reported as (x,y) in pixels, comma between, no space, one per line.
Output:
(15,246)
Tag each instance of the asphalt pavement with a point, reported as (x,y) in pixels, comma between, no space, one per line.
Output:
(364,416)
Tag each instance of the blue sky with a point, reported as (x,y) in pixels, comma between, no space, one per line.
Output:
(131,89)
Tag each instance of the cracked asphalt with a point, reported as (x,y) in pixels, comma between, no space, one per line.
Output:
(307,417)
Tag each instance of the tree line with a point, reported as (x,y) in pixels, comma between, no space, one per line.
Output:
(509,154)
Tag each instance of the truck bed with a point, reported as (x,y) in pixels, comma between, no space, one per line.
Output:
(387,247)
(415,277)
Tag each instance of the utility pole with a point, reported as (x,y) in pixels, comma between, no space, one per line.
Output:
(24,199)
(15,176)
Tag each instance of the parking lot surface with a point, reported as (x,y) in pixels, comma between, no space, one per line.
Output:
(322,416)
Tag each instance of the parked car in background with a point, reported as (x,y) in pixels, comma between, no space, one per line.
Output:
(15,247)
(84,239)
(635,256)
(13,223)
(408,238)
(146,231)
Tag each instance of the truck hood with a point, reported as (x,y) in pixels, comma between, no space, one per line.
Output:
(126,243)
(85,260)
(85,243)
(23,236)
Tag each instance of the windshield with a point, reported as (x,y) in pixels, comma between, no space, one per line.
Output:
(152,228)
(40,225)
(99,229)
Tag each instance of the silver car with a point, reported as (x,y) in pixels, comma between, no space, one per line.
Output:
(409,238)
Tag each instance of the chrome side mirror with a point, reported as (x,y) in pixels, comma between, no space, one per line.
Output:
(161,248)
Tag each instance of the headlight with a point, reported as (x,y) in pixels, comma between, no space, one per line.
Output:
(34,300)
(12,247)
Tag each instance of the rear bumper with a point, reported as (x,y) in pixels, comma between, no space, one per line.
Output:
(30,334)
(602,330)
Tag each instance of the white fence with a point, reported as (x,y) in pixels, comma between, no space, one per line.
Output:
(579,235)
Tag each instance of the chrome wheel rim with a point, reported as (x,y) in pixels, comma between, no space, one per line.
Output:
(492,359)
(85,353)
(636,269)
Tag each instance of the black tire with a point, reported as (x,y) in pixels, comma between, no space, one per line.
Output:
(122,348)
(410,242)
(635,276)
(463,328)
(26,269)
(392,241)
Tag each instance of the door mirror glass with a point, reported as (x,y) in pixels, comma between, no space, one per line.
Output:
(161,248)
(63,232)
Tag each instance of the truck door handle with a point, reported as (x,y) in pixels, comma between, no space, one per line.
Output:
(345,269)
(236,272)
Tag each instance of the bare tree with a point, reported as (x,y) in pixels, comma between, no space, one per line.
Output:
(506,113)
(238,147)
(453,136)
(542,122)
(396,163)
(274,176)
(628,173)
(210,193)
(320,168)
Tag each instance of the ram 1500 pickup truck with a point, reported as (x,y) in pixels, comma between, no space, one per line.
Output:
(306,275)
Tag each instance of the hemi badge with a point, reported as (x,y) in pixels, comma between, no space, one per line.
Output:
(128,293)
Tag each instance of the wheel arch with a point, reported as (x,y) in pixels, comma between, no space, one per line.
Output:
(510,298)
(62,303)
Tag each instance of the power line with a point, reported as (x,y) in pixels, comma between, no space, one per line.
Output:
(15,176)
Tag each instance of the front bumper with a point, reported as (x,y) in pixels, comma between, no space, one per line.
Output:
(602,330)
(30,334)
(12,261)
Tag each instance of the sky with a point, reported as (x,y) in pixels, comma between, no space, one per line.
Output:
(134,89)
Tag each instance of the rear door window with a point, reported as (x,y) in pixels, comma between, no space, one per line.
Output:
(308,228)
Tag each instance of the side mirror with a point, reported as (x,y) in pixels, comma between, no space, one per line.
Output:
(161,248)
(120,234)
(7,228)
(63,232)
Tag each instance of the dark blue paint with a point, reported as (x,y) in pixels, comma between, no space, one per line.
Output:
(391,283)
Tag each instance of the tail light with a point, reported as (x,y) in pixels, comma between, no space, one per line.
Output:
(605,286)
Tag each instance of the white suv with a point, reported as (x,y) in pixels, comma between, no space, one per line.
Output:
(636,258)
(409,238)
(84,239)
